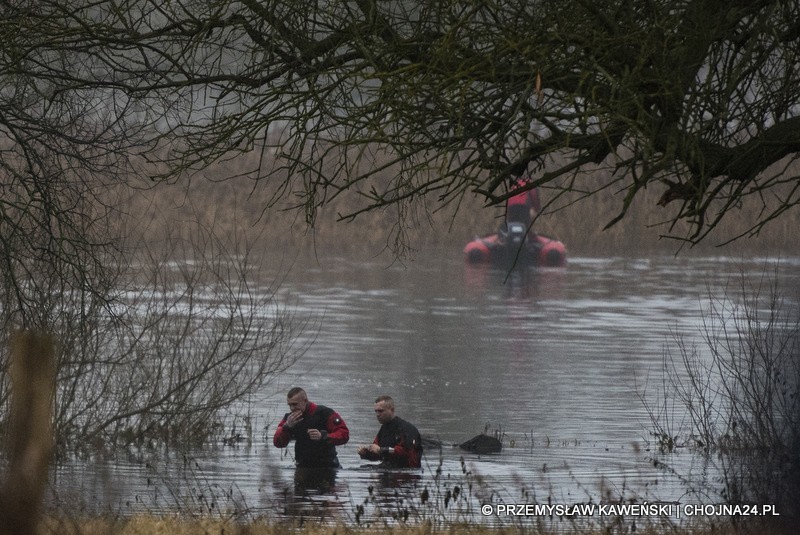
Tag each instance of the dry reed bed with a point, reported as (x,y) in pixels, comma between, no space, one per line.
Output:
(238,208)
(155,525)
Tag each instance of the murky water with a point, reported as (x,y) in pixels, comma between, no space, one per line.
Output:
(556,361)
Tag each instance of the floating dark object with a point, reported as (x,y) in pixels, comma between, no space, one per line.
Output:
(482,444)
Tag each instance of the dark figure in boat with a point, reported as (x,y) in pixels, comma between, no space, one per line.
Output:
(515,243)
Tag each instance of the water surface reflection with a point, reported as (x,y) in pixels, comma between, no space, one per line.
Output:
(554,361)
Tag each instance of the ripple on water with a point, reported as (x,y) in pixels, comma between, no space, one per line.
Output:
(556,363)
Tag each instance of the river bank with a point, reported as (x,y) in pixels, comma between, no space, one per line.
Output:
(154,525)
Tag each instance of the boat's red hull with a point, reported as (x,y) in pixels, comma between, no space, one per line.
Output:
(537,250)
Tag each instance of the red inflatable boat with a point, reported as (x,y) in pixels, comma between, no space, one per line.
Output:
(513,247)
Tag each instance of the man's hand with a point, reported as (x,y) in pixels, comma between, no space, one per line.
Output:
(314,434)
(294,418)
(373,449)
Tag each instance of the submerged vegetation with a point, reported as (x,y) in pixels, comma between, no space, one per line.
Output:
(165,353)
(153,525)
(441,503)
(738,402)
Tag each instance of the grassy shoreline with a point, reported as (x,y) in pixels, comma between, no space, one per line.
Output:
(173,525)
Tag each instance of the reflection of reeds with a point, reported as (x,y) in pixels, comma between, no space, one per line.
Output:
(32,370)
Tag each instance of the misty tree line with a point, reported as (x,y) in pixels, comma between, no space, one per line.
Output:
(403,105)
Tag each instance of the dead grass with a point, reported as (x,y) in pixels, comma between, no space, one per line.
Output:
(239,207)
(155,525)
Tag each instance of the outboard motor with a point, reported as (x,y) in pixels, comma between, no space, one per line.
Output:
(513,243)
(515,234)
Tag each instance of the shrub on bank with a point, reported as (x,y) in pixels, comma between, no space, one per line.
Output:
(737,401)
